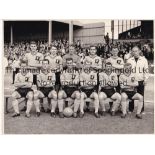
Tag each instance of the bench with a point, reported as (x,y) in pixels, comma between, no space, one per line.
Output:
(6,98)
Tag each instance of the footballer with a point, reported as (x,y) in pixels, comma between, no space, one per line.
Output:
(69,83)
(108,82)
(128,84)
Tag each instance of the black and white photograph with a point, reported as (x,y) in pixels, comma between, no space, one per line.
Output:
(78,76)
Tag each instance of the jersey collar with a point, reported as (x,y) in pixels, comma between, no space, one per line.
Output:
(92,56)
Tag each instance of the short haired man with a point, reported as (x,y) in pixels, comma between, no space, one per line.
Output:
(108,82)
(46,83)
(128,85)
(76,59)
(96,61)
(89,88)
(69,82)
(140,65)
(33,60)
(55,63)
(23,84)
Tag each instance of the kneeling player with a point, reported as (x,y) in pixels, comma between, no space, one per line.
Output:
(23,83)
(46,83)
(108,81)
(89,89)
(69,81)
(128,85)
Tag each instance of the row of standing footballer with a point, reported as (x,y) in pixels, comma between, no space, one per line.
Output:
(72,88)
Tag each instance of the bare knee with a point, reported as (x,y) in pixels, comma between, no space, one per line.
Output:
(140,97)
(53,95)
(118,97)
(30,96)
(123,97)
(83,96)
(14,96)
(102,96)
(95,96)
(78,95)
(61,95)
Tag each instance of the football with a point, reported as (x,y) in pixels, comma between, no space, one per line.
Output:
(68,112)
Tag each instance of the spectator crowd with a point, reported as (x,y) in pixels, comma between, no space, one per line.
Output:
(17,51)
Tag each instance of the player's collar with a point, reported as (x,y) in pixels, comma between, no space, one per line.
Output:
(23,74)
(53,56)
(133,58)
(114,57)
(127,75)
(108,74)
(43,71)
(93,56)
(34,53)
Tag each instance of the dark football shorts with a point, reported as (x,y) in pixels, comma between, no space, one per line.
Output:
(34,79)
(69,90)
(130,94)
(88,92)
(23,91)
(108,92)
(57,76)
(46,90)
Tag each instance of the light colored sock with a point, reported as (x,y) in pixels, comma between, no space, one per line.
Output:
(115,105)
(76,104)
(15,105)
(29,106)
(82,106)
(60,105)
(37,105)
(54,105)
(139,106)
(124,106)
(102,104)
(96,104)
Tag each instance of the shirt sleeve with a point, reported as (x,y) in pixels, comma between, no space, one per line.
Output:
(64,61)
(53,77)
(39,80)
(41,57)
(115,80)
(31,78)
(121,80)
(17,78)
(146,70)
(62,78)
(79,65)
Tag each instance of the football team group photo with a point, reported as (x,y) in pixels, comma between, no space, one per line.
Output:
(78,77)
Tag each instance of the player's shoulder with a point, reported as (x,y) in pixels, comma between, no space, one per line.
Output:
(109,59)
(66,56)
(102,73)
(39,54)
(113,74)
(98,57)
(27,54)
(51,73)
(29,74)
(143,58)
(87,57)
(18,74)
(130,59)
(93,73)
(59,57)
(119,58)
(47,57)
